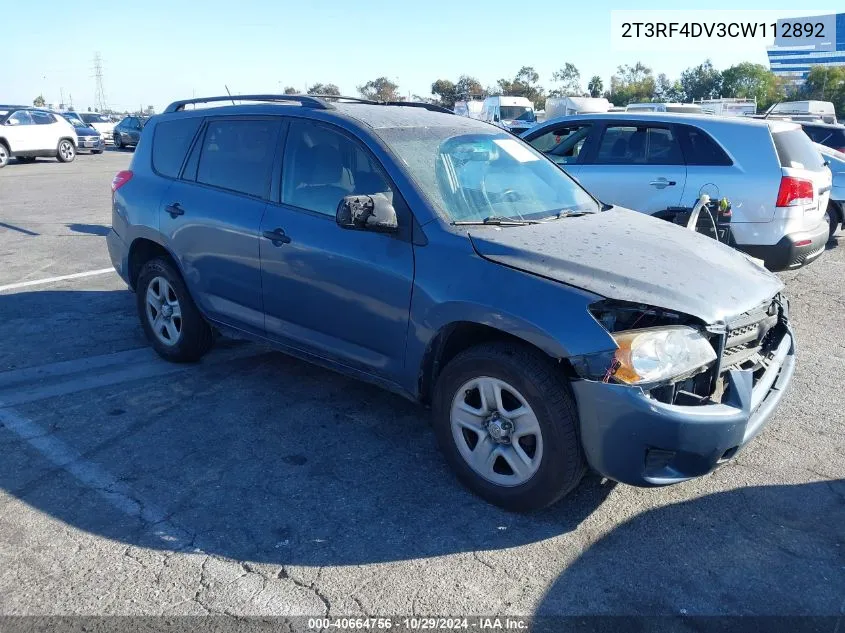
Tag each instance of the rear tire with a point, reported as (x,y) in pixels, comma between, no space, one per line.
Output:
(170,318)
(66,151)
(552,460)
(833,219)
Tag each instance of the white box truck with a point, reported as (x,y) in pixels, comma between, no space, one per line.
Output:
(565,106)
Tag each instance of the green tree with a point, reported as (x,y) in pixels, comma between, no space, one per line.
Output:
(826,83)
(570,81)
(524,84)
(666,90)
(467,87)
(290,90)
(596,86)
(753,81)
(381,89)
(39,101)
(631,84)
(445,92)
(702,82)
(324,89)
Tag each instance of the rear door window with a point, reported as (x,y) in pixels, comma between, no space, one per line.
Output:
(42,118)
(562,144)
(237,154)
(171,141)
(700,148)
(795,150)
(638,145)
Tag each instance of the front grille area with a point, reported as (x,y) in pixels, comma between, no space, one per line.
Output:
(88,139)
(748,340)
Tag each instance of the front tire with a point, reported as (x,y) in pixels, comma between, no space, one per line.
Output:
(97,151)
(170,318)
(507,424)
(4,155)
(118,144)
(66,152)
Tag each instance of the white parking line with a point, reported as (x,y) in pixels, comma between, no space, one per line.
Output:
(31,384)
(50,280)
(89,474)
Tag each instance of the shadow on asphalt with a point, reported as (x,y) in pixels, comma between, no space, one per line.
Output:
(263,458)
(763,550)
(90,229)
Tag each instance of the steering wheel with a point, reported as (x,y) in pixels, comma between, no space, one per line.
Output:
(510,195)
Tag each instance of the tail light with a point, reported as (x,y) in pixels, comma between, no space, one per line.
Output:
(794,192)
(122,177)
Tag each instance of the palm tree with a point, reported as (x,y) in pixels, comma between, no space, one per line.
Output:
(39,102)
(595,86)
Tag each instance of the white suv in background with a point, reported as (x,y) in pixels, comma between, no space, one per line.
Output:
(27,133)
(770,171)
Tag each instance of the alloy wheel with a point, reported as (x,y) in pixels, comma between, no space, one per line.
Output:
(163,311)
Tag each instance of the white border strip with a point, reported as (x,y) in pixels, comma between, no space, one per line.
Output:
(50,280)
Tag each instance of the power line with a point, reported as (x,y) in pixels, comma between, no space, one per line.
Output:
(100,96)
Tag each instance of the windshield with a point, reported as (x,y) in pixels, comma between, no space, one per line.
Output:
(479,175)
(517,113)
(74,119)
(95,118)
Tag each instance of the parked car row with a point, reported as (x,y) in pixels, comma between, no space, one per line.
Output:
(776,179)
(549,328)
(27,133)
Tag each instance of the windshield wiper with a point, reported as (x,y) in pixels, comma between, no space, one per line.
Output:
(495,220)
(563,213)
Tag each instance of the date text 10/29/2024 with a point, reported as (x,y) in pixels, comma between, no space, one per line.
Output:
(400,624)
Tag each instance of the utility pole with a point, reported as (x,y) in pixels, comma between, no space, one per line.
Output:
(100,97)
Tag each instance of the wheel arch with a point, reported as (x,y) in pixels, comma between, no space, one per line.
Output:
(455,337)
(6,142)
(142,250)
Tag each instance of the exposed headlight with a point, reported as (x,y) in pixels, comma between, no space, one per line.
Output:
(657,354)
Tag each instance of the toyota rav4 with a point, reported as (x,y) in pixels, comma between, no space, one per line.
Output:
(448,261)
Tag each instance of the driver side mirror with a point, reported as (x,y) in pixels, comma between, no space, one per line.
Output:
(368,213)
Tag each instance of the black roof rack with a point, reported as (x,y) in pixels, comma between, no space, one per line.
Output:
(411,104)
(318,102)
(307,101)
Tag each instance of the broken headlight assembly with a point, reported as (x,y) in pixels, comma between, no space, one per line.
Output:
(655,349)
(655,355)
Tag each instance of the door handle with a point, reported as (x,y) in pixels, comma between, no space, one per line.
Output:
(662,182)
(278,237)
(174,209)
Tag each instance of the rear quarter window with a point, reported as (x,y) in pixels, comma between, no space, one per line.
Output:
(171,140)
(700,148)
(795,150)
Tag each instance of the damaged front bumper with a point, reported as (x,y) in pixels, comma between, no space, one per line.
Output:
(636,439)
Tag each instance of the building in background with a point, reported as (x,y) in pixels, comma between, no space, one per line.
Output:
(793,62)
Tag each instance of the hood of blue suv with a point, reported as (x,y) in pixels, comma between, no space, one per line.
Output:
(629,256)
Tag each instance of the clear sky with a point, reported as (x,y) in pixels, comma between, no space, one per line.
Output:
(155,51)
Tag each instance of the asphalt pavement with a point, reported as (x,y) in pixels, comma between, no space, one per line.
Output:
(255,484)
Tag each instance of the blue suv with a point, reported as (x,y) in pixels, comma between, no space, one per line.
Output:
(448,261)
